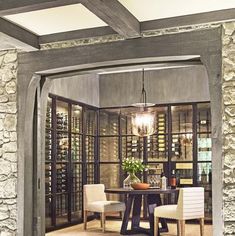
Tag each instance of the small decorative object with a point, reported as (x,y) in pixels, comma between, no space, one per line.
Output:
(132,166)
(163,182)
(143,121)
(140,186)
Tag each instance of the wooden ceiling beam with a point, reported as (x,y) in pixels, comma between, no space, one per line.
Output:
(19,33)
(200,18)
(9,7)
(115,15)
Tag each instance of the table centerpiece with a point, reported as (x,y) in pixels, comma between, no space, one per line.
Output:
(132,166)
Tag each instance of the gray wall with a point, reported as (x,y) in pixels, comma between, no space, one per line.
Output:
(82,88)
(188,84)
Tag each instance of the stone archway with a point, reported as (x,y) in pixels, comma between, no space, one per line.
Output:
(207,44)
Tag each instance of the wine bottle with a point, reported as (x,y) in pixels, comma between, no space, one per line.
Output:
(173,180)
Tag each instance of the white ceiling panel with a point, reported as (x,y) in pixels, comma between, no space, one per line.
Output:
(58,19)
(145,10)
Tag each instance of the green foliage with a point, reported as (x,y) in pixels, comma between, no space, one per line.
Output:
(132,165)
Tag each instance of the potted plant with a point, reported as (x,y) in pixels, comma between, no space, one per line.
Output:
(132,166)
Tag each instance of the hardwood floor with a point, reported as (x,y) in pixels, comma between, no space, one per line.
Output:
(113,227)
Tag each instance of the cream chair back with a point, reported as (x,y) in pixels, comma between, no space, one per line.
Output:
(191,203)
(93,193)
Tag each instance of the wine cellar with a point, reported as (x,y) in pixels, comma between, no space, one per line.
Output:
(86,144)
(71,147)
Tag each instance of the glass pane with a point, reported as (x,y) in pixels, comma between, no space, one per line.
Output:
(49,114)
(76,196)
(205,180)
(181,119)
(182,147)
(76,177)
(204,145)
(61,115)
(125,128)
(154,173)
(61,209)
(61,178)
(109,122)
(48,210)
(76,147)
(162,121)
(157,148)
(110,177)
(132,146)
(91,122)
(184,173)
(109,149)
(62,146)
(76,206)
(76,119)
(90,173)
(203,117)
(48,178)
(48,145)
(90,148)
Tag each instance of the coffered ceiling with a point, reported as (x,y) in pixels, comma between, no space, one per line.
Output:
(36,22)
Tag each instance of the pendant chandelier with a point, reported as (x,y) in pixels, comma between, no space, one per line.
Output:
(143,121)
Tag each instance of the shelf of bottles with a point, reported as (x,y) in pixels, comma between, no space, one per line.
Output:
(69,150)
(48,164)
(182,144)
(109,144)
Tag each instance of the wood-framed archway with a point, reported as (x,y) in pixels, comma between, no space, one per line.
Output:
(35,69)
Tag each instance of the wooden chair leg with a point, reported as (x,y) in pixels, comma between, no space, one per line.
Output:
(85,219)
(182,227)
(202,226)
(103,221)
(156,223)
(101,224)
(178,228)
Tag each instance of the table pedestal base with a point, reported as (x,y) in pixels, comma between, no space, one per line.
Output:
(153,200)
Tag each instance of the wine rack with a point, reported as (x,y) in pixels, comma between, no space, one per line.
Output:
(70,147)
(182,142)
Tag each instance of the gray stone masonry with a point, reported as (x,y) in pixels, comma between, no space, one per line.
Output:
(8,143)
(228,86)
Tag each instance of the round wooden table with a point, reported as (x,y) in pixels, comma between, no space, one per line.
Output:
(134,198)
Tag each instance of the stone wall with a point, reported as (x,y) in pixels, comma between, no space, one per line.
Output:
(8,142)
(228,86)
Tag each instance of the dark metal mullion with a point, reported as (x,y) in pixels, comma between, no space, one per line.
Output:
(185,146)
(53,155)
(69,164)
(96,157)
(84,158)
(84,166)
(169,139)
(145,161)
(120,150)
(195,158)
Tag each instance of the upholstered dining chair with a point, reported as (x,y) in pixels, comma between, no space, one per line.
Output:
(190,206)
(95,200)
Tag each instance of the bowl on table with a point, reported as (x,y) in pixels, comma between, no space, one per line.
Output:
(140,186)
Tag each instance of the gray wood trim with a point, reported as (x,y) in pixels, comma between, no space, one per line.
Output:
(77,34)
(193,19)
(138,50)
(206,43)
(9,7)
(115,15)
(19,33)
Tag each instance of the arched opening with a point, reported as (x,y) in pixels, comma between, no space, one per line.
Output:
(37,90)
